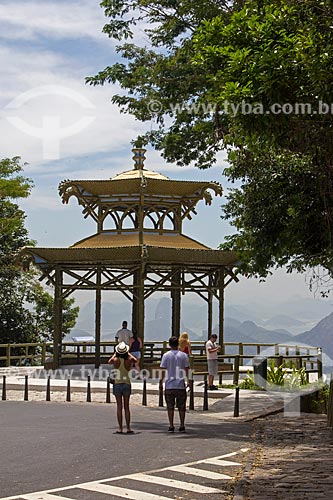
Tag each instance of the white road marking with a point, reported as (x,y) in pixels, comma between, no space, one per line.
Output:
(173,483)
(198,472)
(121,492)
(41,496)
(135,495)
(217,461)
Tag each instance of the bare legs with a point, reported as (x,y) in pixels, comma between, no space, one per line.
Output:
(127,413)
(120,399)
(171,414)
(210,380)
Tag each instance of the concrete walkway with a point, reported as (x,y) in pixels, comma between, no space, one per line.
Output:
(221,402)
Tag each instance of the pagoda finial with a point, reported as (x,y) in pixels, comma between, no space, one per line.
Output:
(139,158)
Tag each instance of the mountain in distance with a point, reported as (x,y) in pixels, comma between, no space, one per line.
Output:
(320,335)
(293,325)
(242,324)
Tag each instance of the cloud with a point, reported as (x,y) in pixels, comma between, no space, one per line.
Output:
(27,20)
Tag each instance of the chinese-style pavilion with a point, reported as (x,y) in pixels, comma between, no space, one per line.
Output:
(139,247)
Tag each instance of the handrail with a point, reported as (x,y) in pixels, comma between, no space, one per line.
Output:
(37,352)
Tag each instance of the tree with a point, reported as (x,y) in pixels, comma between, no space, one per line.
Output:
(208,59)
(43,313)
(15,320)
(26,309)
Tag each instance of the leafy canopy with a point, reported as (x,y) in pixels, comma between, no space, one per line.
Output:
(26,309)
(198,63)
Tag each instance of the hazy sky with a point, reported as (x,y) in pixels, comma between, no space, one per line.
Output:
(64,129)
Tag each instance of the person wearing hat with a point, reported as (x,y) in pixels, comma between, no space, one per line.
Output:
(123,361)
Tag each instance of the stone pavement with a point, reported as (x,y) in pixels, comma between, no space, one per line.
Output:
(292,458)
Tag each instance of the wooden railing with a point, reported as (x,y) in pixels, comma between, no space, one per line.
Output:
(229,363)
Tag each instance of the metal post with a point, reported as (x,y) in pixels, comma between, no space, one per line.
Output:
(191,406)
(108,392)
(236,407)
(144,393)
(48,389)
(160,394)
(4,395)
(26,389)
(88,391)
(68,395)
(205,397)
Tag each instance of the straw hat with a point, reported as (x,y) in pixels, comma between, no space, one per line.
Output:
(122,348)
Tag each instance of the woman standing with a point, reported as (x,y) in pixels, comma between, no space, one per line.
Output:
(135,349)
(185,344)
(123,361)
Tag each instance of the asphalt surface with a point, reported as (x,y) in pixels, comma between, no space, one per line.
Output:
(50,445)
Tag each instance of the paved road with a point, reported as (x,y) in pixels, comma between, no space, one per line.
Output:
(47,446)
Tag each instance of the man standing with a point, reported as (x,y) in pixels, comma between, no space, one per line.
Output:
(124,335)
(175,366)
(212,351)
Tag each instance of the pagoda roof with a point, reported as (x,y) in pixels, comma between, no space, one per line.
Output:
(138,174)
(122,186)
(124,255)
(109,239)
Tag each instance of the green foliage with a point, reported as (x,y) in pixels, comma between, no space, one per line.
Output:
(285,377)
(276,374)
(42,310)
(26,309)
(222,54)
(248,383)
(320,405)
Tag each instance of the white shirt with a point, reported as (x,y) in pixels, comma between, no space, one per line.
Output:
(211,345)
(124,335)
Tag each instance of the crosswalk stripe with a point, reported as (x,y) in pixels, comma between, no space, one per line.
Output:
(41,496)
(217,461)
(173,483)
(198,472)
(121,492)
(184,468)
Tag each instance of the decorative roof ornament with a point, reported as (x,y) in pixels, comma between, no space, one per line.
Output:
(139,158)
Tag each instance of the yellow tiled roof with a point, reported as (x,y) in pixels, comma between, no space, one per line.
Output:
(130,239)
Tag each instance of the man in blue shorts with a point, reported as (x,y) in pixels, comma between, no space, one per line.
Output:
(175,366)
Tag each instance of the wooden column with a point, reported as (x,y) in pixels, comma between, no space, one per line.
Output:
(98,300)
(221,310)
(57,310)
(138,307)
(176,305)
(210,308)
